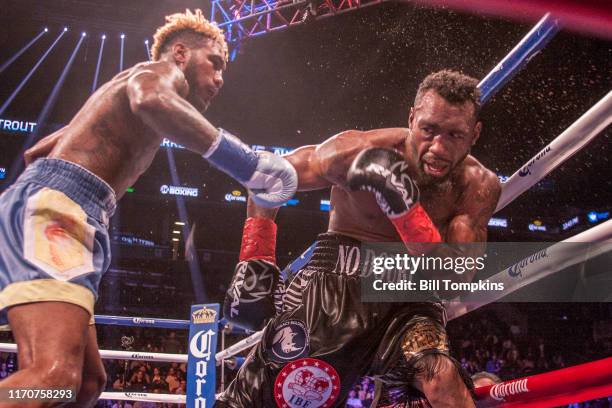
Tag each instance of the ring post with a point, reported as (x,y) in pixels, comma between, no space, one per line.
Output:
(201,367)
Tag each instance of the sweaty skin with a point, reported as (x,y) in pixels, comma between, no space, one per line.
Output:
(457,191)
(117,133)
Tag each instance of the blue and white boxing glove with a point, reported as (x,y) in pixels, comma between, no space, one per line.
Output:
(271,179)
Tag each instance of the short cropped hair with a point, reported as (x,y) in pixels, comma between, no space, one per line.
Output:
(453,86)
(189,26)
(487,375)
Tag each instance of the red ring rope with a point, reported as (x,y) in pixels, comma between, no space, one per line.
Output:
(591,16)
(560,387)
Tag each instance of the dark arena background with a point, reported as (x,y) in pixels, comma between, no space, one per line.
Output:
(355,68)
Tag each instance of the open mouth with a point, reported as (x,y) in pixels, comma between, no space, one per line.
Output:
(435,169)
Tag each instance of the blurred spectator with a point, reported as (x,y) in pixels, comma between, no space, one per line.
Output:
(157,382)
(3,371)
(171,344)
(483,378)
(353,401)
(139,382)
(182,388)
(118,384)
(172,380)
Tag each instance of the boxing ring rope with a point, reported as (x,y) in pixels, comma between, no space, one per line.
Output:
(142,321)
(534,42)
(563,147)
(559,150)
(558,257)
(589,16)
(144,396)
(568,143)
(555,388)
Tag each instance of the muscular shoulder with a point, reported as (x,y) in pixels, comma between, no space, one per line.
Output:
(385,137)
(160,71)
(480,183)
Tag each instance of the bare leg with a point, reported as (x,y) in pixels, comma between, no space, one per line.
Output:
(94,374)
(441,383)
(51,337)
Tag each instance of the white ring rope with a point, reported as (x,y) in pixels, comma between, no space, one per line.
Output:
(144,396)
(238,347)
(535,271)
(574,138)
(564,146)
(558,257)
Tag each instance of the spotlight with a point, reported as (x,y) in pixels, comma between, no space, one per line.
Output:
(104,36)
(65,28)
(46,30)
(147,42)
(83,34)
(122,36)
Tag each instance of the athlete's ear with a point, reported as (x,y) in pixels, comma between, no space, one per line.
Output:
(410,117)
(477,129)
(180,53)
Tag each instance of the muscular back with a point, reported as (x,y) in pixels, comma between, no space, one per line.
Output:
(107,138)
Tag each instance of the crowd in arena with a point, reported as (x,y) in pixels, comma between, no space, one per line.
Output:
(481,341)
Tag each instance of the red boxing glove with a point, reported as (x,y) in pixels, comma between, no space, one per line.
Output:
(258,240)
(417,230)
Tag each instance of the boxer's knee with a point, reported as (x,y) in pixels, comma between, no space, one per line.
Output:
(57,375)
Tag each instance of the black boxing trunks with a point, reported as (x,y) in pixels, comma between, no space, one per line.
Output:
(326,339)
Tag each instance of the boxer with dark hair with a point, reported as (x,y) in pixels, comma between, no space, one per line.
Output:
(419,185)
(54,242)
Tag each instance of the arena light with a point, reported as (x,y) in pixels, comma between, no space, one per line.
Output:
(148,50)
(179,223)
(175,239)
(498,222)
(325,205)
(94,85)
(22,50)
(25,80)
(176,232)
(292,202)
(49,103)
(199,291)
(595,216)
(570,223)
(121,52)
(536,227)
